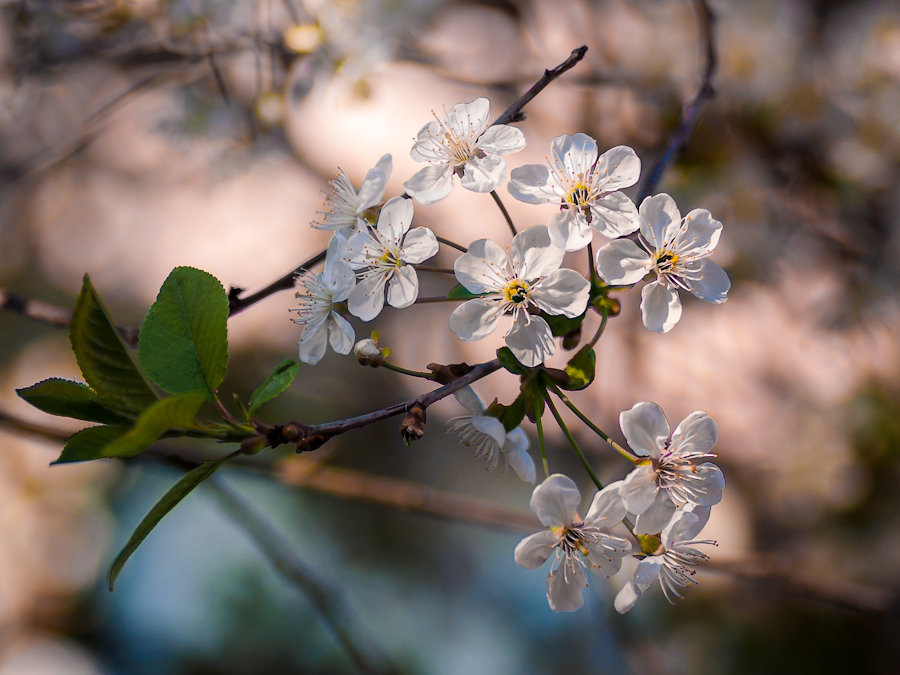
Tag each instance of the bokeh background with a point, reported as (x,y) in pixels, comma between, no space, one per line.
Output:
(136,136)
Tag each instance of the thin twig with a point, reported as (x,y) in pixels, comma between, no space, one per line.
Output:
(436,270)
(452,244)
(690,116)
(239,304)
(505,213)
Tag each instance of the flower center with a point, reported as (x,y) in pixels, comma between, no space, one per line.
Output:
(579,195)
(516,292)
(390,258)
(574,539)
(665,261)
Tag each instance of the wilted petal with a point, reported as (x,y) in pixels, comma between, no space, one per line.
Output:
(617,168)
(532,254)
(340,334)
(501,139)
(695,433)
(660,307)
(646,429)
(659,219)
(533,184)
(475,319)
(534,550)
(484,269)
(530,340)
(555,500)
(430,184)
(622,262)
(563,292)
(418,245)
(565,588)
(483,174)
(570,230)
(367,298)
(710,283)
(639,489)
(657,515)
(614,215)
(403,288)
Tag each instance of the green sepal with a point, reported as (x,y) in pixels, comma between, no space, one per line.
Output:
(105,361)
(511,415)
(183,345)
(174,412)
(460,292)
(88,443)
(533,393)
(561,325)
(65,398)
(510,362)
(274,385)
(580,369)
(168,502)
(650,543)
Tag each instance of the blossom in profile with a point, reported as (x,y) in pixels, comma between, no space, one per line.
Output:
(673,562)
(671,471)
(674,250)
(585,185)
(383,257)
(577,544)
(526,278)
(318,311)
(344,205)
(490,440)
(463,145)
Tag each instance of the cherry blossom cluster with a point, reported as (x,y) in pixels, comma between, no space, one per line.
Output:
(656,511)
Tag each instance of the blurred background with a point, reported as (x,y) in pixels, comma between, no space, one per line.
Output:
(136,136)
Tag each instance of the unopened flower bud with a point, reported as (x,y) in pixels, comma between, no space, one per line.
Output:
(368,353)
(413,426)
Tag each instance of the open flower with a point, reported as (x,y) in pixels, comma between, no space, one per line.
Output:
(586,186)
(676,251)
(577,543)
(525,279)
(488,437)
(384,256)
(674,561)
(317,313)
(344,205)
(463,145)
(671,473)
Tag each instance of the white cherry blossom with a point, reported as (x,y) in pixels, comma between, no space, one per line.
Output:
(673,563)
(671,471)
(586,186)
(345,206)
(488,437)
(673,249)
(464,145)
(383,256)
(318,310)
(525,279)
(578,544)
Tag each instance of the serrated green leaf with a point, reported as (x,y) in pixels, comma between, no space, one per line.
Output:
(274,385)
(174,412)
(169,501)
(69,399)
(580,369)
(105,361)
(183,345)
(561,325)
(460,292)
(88,443)
(510,362)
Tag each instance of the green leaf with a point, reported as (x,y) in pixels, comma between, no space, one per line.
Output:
(69,399)
(105,361)
(89,443)
(510,362)
(580,369)
(460,292)
(510,415)
(183,346)
(168,502)
(174,412)
(275,385)
(561,325)
(533,392)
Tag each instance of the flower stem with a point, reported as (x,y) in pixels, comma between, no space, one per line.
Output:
(406,371)
(572,442)
(504,212)
(437,298)
(541,443)
(429,268)
(452,244)
(593,427)
(604,315)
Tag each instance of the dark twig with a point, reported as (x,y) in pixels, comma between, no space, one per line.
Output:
(239,304)
(690,116)
(514,112)
(452,244)
(509,222)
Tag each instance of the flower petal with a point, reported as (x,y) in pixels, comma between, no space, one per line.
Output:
(698,235)
(484,268)
(710,282)
(695,433)
(530,340)
(532,254)
(475,319)
(555,500)
(490,426)
(570,230)
(340,334)
(660,220)
(403,288)
(533,184)
(519,459)
(656,516)
(639,489)
(372,189)
(534,550)
(430,184)
(469,399)
(647,571)
(573,156)
(607,508)
(660,307)
(395,218)
(605,555)
(340,280)
(617,168)
(367,298)
(614,215)
(418,245)
(483,174)
(469,119)
(622,262)
(563,292)
(501,139)
(685,524)
(706,485)
(428,146)
(565,588)
(313,342)
(646,429)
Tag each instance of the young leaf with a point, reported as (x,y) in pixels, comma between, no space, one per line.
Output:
(580,369)
(275,384)
(174,412)
(533,392)
(460,292)
(89,443)
(183,346)
(105,362)
(69,399)
(561,325)
(168,502)
(510,362)
(510,415)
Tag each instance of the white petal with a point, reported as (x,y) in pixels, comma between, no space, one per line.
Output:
(617,168)
(516,440)
(607,508)
(699,233)
(469,400)
(659,218)
(484,269)
(707,485)
(605,556)
(471,118)
(646,429)
(418,245)
(711,283)
(573,155)
(475,319)
(367,298)
(657,515)
(501,139)
(534,550)
(695,433)
(622,262)
(483,174)
(563,292)
(614,215)
(660,307)
(647,571)
(490,426)
(532,254)
(359,248)
(685,524)
(340,334)
(531,342)
(428,146)
(533,184)
(339,278)
(372,189)
(521,462)
(403,288)
(565,587)
(570,230)
(639,489)
(395,218)
(430,184)
(313,342)
(555,500)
